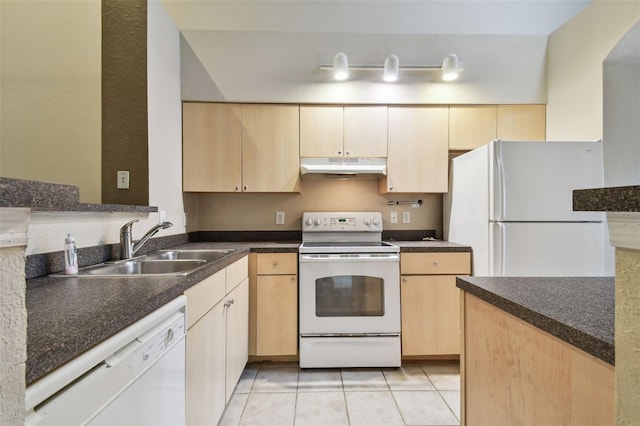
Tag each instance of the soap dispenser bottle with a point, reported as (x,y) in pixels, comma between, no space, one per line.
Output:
(70,256)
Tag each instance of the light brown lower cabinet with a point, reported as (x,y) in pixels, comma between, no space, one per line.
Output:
(430,302)
(513,373)
(273,329)
(217,341)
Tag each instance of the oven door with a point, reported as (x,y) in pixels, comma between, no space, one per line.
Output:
(356,294)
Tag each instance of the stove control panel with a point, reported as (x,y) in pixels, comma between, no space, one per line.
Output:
(342,221)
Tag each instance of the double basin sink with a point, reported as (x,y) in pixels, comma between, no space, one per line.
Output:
(163,262)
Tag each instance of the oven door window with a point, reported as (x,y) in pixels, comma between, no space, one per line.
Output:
(349,296)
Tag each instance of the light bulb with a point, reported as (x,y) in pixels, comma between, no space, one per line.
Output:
(450,68)
(391,65)
(340,67)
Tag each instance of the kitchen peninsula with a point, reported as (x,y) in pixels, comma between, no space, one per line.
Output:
(538,350)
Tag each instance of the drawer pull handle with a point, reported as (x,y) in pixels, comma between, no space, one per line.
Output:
(229,302)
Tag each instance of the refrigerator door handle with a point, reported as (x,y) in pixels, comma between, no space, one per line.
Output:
(500,200)
(502,250)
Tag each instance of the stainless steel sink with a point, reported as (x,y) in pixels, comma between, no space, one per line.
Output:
(203,254)
(143,267)
(163,262)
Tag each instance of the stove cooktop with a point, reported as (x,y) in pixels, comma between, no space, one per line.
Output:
(348,247)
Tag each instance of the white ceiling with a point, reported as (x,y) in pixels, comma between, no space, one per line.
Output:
(270,51)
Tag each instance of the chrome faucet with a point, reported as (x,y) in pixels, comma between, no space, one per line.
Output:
(127,247)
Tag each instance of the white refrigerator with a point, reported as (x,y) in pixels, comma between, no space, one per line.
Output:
(512,202)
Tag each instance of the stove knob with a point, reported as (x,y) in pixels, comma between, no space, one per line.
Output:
(317,222)
(376,221)
(367,221)
(308,222)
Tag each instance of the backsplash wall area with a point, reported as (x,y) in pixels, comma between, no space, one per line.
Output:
(256,211)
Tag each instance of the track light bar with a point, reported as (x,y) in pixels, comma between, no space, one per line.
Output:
(450,68)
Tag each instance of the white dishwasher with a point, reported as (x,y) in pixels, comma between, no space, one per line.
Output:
(136,377)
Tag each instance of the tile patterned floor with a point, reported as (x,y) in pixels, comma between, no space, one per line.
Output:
(420,394)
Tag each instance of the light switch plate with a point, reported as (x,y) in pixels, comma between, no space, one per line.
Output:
(279,218)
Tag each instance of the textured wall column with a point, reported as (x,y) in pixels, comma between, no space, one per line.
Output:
(124,101)
(13,315)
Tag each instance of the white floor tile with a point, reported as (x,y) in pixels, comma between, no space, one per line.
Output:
(425,393)
(444,375)
(424,408)
(409,377)
(452,398)
(246,380)
(272,409)
(319,381)
(231,416)
(363,380)
(321,409)
(276,379)
(372,408)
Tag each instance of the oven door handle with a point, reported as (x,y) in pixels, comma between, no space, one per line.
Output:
(315,258)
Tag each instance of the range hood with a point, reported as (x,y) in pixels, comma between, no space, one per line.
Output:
(343,166)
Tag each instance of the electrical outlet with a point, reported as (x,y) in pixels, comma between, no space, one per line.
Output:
(123,179)
(279,218)
(163,215)
(394,217)
(406,217)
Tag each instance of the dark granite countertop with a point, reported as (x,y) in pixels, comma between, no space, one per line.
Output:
(45,196)
(577,310)
(69,315)
(616,199)
(429,246)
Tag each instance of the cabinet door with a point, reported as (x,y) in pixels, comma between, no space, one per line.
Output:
(418,150)
(276,315)
(205,368)
(521,122)
(321,129)
(237,335)
(471,126)
(365,131)
(430,315)
(270,148)
(211,147)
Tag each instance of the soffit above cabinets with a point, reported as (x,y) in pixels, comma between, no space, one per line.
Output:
(270,51)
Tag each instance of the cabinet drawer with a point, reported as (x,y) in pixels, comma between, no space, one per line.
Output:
(435,263)
(237,272)
(204,296)
(277,264)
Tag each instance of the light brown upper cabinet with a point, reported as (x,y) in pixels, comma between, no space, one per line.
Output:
(270,148)
(211,147)
(521,122)
(417,160)
(240,148)
(471,126)
(343,131)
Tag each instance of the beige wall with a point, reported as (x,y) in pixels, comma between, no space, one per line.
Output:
(50,113)
(574,68)
(257,211)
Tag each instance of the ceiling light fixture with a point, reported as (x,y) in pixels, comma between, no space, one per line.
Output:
(340,67)
(450,68)
(391,65)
